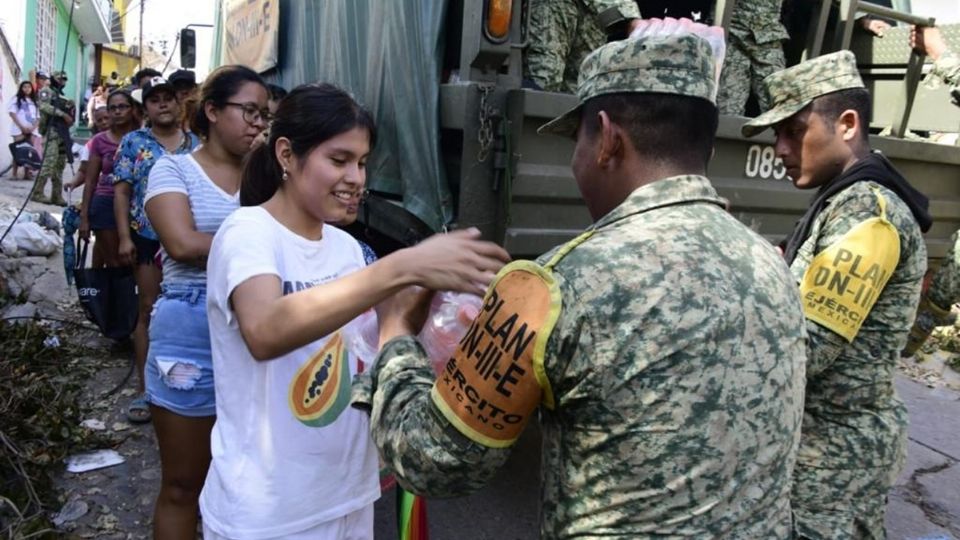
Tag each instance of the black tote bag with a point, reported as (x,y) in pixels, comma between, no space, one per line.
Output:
(108,296)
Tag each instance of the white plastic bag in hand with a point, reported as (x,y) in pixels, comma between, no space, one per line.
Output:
(677,27)
(450,317)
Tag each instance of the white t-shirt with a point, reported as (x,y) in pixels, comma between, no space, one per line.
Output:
(26,112)
(210,205)
(272,474)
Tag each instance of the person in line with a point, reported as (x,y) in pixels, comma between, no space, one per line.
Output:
(101,122)
(96,101)
(138,245)
(25,125)
(563,32)
(184,83)
(291,459)
(142,77)
(188,197)
(56,117)
(944,289)
(858,257)
(664,346)
(96,208)
(276,94)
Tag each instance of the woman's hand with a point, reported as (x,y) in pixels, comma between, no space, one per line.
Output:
(458,261)
(127,251)
(84,230)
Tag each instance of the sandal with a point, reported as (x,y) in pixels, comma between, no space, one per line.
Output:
(138,411)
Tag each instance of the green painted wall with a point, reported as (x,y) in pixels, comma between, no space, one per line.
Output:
(76,65)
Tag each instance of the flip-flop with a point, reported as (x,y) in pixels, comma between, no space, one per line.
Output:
(138,411)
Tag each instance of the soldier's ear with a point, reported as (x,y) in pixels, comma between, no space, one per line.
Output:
(611,140)
(849,122)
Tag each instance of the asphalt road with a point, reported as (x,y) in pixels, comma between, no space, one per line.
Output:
(924,504)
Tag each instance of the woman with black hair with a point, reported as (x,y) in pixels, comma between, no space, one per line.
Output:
(291,458)
(188,197)
(26,121)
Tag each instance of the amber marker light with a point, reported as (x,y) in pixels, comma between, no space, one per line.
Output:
(498,20)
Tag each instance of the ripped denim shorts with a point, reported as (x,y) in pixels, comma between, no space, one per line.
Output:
(179,370)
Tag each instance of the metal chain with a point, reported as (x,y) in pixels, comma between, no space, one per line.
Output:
(485,131)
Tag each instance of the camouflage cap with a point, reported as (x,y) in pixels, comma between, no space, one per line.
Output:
(792,89)
(59,75)
(676,64)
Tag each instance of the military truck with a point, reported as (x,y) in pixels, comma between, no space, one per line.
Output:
(458,144)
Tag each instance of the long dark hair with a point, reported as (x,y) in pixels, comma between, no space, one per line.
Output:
(21,97)
(308,116)
(219,86)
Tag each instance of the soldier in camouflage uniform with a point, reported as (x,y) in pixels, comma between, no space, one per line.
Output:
(754,50)
(563,32)
(664,346)
(944,289)
(55,120)
(859,258)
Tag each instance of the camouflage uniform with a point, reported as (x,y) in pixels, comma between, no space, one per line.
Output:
(853,438)
(947,68)
(673,377)
(55,147)
(563,32)
(944,289)
(754,51)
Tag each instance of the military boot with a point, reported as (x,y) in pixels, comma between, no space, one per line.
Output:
(929,316)
(56,192)
(37,194)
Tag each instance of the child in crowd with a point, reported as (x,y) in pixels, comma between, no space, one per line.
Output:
(187,199)
(137,243)
(291,459)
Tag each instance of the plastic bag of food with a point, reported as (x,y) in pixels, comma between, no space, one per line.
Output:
(362,337)
(450,317)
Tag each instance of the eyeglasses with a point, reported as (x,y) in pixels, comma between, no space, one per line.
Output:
(115,108)
(253,114)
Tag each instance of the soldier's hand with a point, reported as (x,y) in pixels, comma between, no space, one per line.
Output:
(874,26)
(404,313)
(928,40)
(458,261)
(127,252)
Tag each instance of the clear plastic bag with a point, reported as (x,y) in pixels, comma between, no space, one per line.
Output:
(450,317)
(362,336)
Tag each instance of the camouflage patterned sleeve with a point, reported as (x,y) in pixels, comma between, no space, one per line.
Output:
(947,67)
(851,207)
(428,455)
(611,12)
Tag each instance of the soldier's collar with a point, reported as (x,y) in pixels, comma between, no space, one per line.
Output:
(666,192)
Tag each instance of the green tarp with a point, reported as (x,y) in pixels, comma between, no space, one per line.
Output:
(388,54)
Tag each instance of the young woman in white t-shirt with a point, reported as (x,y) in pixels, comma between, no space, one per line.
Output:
(291,458)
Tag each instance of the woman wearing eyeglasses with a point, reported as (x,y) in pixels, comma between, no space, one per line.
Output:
(188,197)
(96,210)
